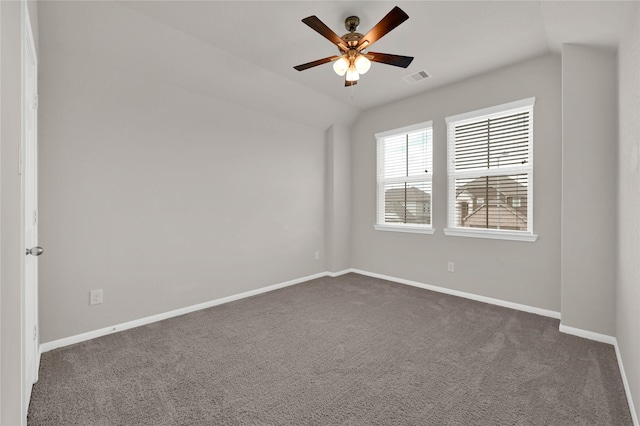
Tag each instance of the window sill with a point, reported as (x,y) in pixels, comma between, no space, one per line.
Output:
(490,233)
(410,229)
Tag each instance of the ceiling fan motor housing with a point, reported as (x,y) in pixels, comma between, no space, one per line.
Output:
(352,37)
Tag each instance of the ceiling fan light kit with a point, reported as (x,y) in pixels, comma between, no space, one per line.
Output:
(352,74)
(341,66)
(352,64)
(362,64)
(354,60)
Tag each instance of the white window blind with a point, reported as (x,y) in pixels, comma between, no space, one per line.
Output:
(404,178)
(490,169)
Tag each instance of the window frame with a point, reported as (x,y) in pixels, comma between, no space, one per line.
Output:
(452,174)
(380,225)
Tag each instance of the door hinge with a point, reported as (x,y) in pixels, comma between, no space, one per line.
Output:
(35,217)
(35,332)
(35,102)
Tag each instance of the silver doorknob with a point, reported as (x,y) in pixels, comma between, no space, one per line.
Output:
(36,251)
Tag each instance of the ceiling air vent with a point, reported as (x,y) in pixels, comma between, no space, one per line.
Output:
(415,77)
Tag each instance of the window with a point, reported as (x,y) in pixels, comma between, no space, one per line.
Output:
(490,172)
(404,179)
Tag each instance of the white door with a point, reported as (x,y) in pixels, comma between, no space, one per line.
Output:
(30,210)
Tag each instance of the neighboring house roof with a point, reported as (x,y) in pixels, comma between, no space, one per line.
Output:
(412,194)
(494,211)
(398,201)
(508,187)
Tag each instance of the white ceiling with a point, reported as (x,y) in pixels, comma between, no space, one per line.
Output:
(451,40)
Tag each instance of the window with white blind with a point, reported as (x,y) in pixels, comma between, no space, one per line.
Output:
(490,171)
(404,179)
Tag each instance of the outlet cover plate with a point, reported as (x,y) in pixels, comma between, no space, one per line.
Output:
(95,297)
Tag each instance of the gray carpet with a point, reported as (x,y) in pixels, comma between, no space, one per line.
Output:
(351,350)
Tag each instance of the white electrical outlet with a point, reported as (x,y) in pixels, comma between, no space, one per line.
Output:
(95,297)
(317,255)
(451,267)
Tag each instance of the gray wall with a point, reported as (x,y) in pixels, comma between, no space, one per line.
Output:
(338,199)
(628,267)
(589,161)
(162,196)
(520,272)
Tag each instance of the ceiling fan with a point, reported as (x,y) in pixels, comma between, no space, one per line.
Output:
(354,59)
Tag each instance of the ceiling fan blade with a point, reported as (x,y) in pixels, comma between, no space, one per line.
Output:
(326,32)
(394,18)
(348,83)
(315,63)
(386,58)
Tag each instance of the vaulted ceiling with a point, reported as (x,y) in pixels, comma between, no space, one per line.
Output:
(255,44)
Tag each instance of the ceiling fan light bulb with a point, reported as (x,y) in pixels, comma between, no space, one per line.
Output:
(362,64)
(341,66)
(352,74)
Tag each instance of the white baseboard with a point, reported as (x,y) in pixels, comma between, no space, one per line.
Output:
(484,299)
(604,338)
(48,346)
(337,274)
(625,382)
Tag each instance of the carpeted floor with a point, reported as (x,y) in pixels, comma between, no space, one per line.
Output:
(351,350)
